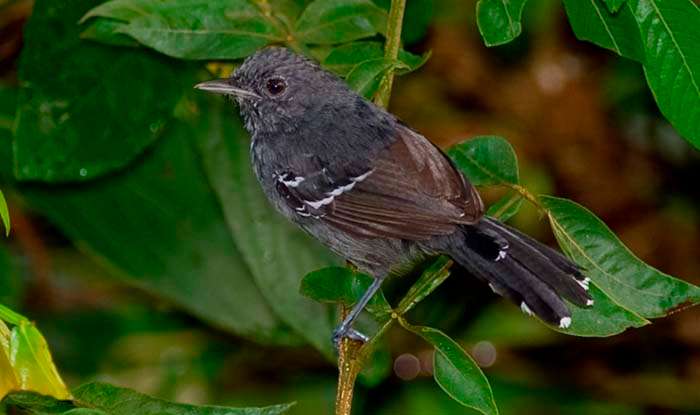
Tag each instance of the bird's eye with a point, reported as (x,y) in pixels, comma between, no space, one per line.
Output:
(276,86)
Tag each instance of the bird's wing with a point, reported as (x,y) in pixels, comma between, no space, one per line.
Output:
(410,191)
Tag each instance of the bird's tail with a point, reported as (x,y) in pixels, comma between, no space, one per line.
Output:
(529,273)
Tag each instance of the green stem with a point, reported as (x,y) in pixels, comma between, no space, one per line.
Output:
(11,317)
(351,358)
(391,50)
(349,366)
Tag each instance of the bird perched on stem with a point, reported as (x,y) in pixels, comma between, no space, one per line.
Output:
(378,193)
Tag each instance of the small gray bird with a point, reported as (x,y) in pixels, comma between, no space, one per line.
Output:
(378,193)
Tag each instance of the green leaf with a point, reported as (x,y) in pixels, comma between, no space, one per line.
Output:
(503,325)
(194,29)
(8,380)
(286,10)
(104,399)
(11,317)
(592,21)
(32,363)
(506,207)
(343,285)
(86,109)
(278,254)
(457,373)
(430,279)
(672,66)
(365,77)
(605,318)
(344,58)
(8,107)
(622,276)
(416,19)
(486,160)
(109,32)
(326,22)
(4,214)
(499,20)
(614,5)
(158,226)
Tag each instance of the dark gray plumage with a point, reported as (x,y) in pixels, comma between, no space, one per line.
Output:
(378,193)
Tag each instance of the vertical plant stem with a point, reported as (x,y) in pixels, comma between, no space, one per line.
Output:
(391,50)
(349,367)
(350,358)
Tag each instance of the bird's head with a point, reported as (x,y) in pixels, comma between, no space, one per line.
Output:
(278,89)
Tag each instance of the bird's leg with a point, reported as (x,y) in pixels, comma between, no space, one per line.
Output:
(345,328)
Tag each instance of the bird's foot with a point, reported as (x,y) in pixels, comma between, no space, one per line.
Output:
(349,333)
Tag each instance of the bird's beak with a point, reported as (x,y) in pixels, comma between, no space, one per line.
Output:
(224,86)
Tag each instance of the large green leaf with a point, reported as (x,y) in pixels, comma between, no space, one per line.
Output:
(605,318)
(431,278)
(506,207)
(363,64)
(343,285)
(671,37)
(417,17)
(25,361)
(491,160)
(8,103)
(499,20)
(623,277)
(457,373)
(194,29)
(344,58)
(8,380)
(325,22)
(4,214)
(104,399)
(278,254)
(365,77)
(614,5)
(109,32)
(32,362)
(86,109)
(592,21)
(158,226)
(486,160)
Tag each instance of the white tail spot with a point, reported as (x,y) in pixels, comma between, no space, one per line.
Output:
(565,322)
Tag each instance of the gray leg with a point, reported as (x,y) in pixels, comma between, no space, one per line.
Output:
(345,328)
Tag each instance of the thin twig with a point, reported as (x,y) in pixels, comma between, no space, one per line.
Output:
(391,50)
(352,355)
(349,366)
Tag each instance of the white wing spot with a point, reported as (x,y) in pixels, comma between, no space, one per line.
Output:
(316,204)
(362,176)
(340,190)
(584,283)
(525,308)
(291,183)
(589,303)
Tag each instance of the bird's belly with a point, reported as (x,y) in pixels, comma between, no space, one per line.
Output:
(377,257)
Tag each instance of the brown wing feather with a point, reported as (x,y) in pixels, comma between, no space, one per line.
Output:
(414,192)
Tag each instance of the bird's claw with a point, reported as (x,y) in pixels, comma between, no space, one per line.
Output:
(349,333)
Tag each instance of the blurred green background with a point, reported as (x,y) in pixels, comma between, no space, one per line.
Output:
(584,126)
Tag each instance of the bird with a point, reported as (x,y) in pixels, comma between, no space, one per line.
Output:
(378,193)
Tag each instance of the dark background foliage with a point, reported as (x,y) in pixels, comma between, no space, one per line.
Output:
(144,277)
